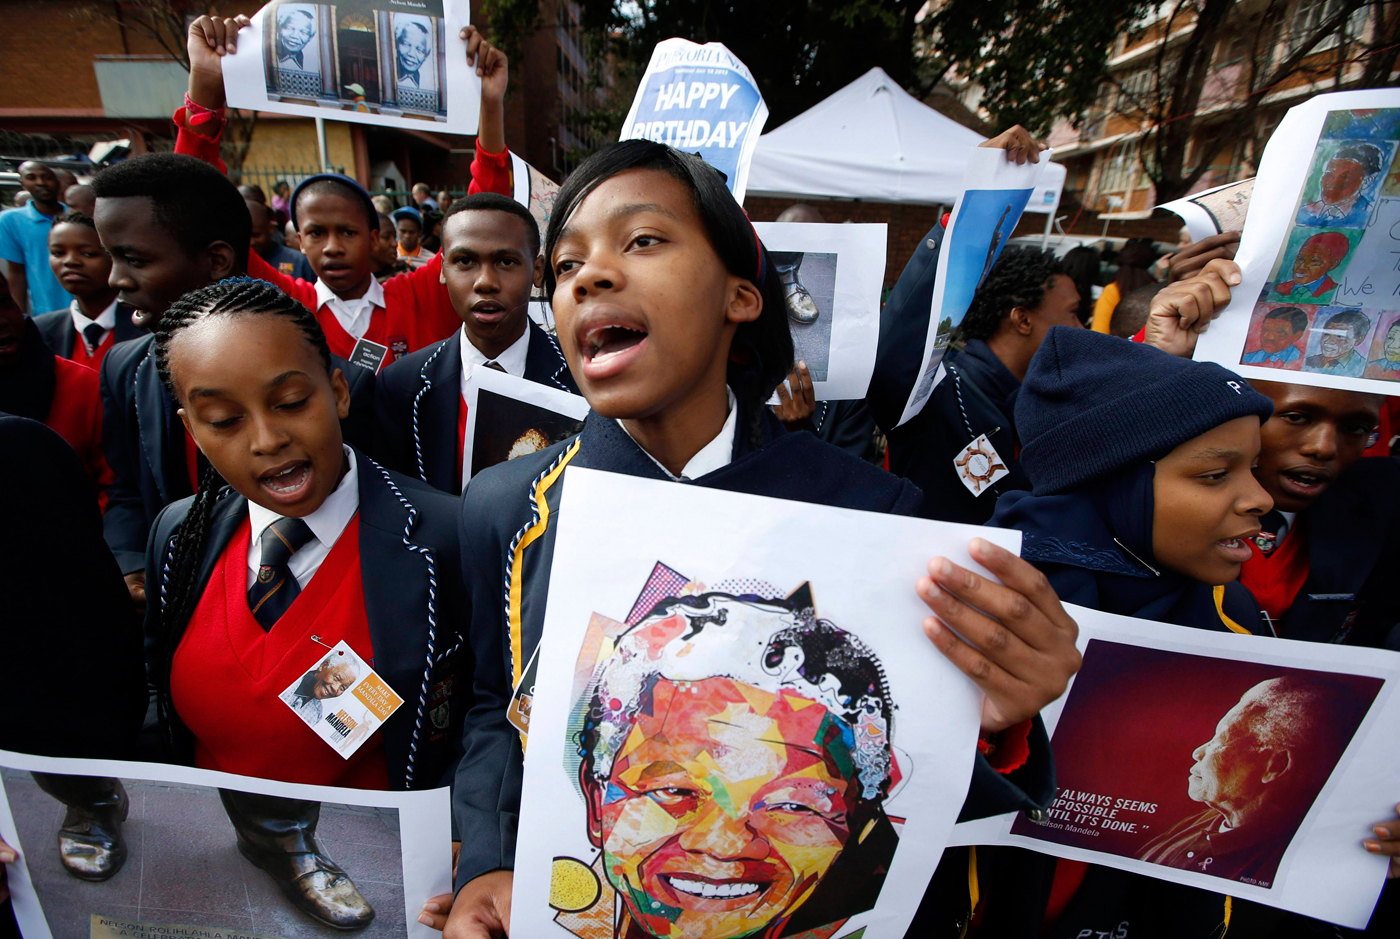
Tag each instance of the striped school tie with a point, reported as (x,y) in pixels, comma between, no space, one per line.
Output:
(93,334)
(275,588)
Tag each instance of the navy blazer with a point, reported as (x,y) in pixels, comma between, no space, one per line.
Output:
(413,599)
(506,501)
(59,332)
(417,400)
(137,415)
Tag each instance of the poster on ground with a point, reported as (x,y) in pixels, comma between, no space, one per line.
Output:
(703,100)
(1319,303)
(728,737)
(1267,763)
(509,417)
(192,842)
(390,63)
(995,193)
(831,276)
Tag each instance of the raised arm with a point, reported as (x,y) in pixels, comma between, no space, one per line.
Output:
(491,164)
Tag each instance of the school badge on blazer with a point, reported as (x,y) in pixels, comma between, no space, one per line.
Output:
(440,706)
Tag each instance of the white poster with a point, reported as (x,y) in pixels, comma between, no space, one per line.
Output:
(1214,211)
(1319,303)
(728,737)
(831,277)
(509,417)
(184,871)
(700,99)
(381,62)
(1245,765)
(995,193)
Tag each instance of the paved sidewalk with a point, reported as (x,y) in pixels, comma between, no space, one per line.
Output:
(184,869)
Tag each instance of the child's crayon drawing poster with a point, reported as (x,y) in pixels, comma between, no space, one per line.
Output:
(1321,246)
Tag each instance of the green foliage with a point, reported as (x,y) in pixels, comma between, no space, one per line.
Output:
(1037,59)
(509,23)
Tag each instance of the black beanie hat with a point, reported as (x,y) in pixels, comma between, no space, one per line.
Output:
(1093,404)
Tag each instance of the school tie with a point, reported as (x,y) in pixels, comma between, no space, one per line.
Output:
(92,336)
(275,589)
(1272,527)
(495,365)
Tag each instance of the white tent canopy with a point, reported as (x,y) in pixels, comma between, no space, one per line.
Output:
(873,140)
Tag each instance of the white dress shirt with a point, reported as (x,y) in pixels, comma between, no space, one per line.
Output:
(107,319)
(353,315)
(716,454)
(326,524)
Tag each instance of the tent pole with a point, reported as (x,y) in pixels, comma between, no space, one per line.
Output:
(1045,237)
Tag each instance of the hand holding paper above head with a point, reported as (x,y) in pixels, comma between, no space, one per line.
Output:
(493,67)
(1386,841)
(1182,311)
(209,39)
(1013,639)
(482,908)
(1191,260)
(1019,145)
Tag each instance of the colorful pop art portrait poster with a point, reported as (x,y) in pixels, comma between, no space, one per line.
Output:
(1268,762)
(1322,235)
(728,738)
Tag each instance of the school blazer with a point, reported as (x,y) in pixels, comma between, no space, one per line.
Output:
(135,426)
(59,333)
(1353,532)
(417,399)
(507,532)
(413,599)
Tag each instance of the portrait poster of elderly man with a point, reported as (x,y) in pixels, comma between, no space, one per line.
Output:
(331,678)
(417,54)
(295,55)
(1257,777)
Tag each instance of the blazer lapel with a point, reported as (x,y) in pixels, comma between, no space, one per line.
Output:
(397,596)
(152,419)
(437,413)
(544,363)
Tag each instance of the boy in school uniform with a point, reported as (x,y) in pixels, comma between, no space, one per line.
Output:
(1321,564)
(37,384)
(337,224)
(491,247)
(172,224)
(96,320)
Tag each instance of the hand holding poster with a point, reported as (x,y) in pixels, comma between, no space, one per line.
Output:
(700,99)
(687,678)
(509,417)
(831,278)
(1264,765)
(205,855)
(995,193)
(1319,303)
(394,63)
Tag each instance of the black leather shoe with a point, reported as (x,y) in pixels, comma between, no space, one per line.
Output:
(90,842)
(314,884)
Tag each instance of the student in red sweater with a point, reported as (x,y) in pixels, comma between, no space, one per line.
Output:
(96,320)
(1321,565)
(309,544)
(337,223)
(39,385)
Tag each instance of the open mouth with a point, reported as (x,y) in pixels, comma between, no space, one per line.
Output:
(488,311)
(1305,482)
(1236,549)
(287,482)
(705,889)
(605,342)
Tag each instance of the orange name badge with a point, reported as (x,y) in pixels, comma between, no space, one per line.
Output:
(341,698)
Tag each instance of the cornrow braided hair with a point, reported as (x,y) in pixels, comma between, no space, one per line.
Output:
(179,574)
(1019,278)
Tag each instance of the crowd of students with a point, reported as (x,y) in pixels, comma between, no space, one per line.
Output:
(208,441)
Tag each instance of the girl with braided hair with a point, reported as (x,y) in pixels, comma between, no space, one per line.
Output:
(293,542)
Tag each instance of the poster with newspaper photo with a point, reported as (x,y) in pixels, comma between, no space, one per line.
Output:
(111,849)
(831,276)
(1214,211)
(509,417)
(700,99)
(995,193)
(1319,302)
(1267,764)
(391,63)
(726,735)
